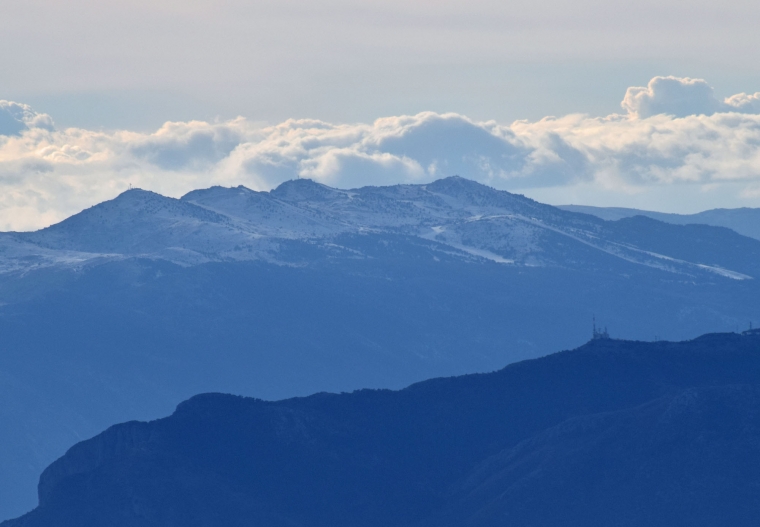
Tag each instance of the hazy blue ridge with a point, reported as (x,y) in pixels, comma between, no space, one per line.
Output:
(745,220)
(614,432)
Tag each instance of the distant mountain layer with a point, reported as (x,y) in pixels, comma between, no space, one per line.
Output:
(452,216)
(745,221)
(126,309)
(613,433)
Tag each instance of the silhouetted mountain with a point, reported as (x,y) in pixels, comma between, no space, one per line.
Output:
(613,433)
(126,309)
(745,221)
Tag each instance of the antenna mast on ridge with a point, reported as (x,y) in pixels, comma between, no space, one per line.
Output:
(597,334)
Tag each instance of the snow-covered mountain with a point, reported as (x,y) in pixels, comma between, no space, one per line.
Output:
(460,217)
(127,308)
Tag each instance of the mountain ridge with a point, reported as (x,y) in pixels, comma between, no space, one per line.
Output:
(221,224)
(451,451)
(744,220)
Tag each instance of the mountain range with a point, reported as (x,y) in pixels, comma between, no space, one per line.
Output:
(612,433)
(127,308)
(745,221)
(454,215)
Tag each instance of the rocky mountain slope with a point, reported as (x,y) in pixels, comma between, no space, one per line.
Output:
(612,433)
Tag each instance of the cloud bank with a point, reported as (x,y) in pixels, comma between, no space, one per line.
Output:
(676,136)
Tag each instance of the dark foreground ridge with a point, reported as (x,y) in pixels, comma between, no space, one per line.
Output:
(613,433)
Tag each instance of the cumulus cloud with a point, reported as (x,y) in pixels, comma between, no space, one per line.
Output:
(390,150)
(741,102)
(681,97)
(676,134)
(451,144)
(177,146)
(15,118)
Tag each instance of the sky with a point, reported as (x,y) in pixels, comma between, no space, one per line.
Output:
(648,104)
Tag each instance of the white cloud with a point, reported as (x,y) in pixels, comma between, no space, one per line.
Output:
(671,95)
(15,118)
(451,144)
(681,97)
(741,102)
(177,146)
(676,135)
(391,150)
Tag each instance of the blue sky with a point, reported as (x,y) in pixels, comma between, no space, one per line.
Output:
(108,75)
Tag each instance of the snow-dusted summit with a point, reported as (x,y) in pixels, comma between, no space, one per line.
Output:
(453,217)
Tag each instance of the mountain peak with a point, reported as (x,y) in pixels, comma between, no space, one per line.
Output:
(304,190)
(217,192)
(124,224)
(137,194)
(456,183)
(475,193)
